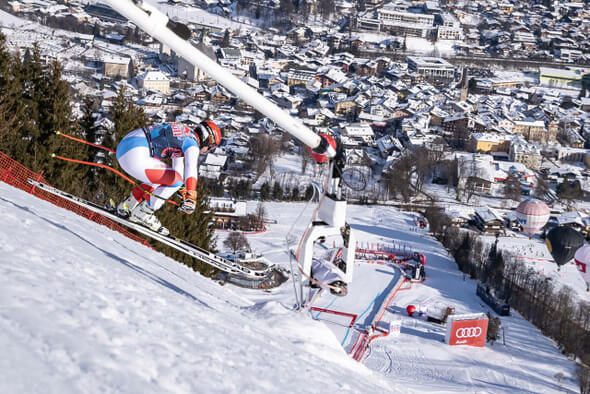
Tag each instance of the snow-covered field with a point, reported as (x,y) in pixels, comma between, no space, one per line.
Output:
(84,309)
(9,20)
(188,12)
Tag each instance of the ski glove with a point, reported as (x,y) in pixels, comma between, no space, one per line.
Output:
(181,193)
(189,203)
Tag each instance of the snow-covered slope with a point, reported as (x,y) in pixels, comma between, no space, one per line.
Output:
(84,309)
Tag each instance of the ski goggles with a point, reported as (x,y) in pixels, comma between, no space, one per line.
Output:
(208,132)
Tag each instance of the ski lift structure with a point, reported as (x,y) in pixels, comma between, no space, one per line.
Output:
(329,219)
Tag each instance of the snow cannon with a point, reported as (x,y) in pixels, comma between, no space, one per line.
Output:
(321,153)
(410,309)
(419,258)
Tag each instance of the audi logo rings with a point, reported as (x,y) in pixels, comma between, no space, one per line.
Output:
(468,332)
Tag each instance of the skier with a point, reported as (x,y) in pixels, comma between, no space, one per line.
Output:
(140,154)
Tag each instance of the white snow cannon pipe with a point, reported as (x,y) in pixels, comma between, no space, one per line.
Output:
(154,22)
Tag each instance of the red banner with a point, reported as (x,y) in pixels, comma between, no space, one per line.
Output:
(470,332)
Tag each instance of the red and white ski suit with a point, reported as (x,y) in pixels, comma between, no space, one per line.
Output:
(141,152)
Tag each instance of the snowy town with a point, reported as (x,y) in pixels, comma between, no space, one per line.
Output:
(463,132)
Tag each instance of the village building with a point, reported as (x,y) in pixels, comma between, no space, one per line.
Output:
(115,66)
(227,212)
(431,67)
(154,80)
(488,142)
(524,153)
(488,220)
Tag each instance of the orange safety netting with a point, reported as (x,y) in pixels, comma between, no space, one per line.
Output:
(15,174)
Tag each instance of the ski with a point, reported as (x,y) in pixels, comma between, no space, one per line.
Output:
(174,242)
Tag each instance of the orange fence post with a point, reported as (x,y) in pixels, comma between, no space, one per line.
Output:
(7,173)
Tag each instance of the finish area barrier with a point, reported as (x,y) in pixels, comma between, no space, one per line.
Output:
(360,347)
(352,316)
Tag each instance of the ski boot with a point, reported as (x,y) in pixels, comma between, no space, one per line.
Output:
(124,208)
(144,215)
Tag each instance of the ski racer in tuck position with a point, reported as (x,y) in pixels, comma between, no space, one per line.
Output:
(141,153)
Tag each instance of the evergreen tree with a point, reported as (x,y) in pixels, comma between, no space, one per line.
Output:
(569,190)
(96,30)
(277,191)
(11,141)
(126,117)
(33,86)
(196,229)
(213,187)
(87,127)
(245,189)
(55,114)
(231,188)
(326,8)
(265,191)
(226,39)
(295,194)
(88,131)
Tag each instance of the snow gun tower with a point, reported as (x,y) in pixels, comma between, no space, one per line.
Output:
(332,210)
(329,222)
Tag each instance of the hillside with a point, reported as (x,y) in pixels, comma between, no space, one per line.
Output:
(84,309)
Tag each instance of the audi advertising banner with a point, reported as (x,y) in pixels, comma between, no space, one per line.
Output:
(469,329)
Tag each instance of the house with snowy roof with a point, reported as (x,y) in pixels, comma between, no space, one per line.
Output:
(361,132)
(488,220)
(116,66)
(488,142)
(213,165)
(151,100)
(388,144)
(227,212)
(478,172)
(525,153)
(154,80)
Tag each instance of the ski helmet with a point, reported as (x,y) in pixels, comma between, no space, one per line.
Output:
(209,134)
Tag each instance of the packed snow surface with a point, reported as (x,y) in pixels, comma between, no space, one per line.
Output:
(84,309)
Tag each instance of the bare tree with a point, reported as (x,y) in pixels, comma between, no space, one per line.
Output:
(236,241)
(470,176)
(285,144)
(542,188)
(326,7)
(450,170)
(260,215)
(264,148)
(398,179)
(305,158)
(423,166)
(512,188)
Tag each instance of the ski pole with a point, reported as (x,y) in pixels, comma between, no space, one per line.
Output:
(84,141)
(113,170)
